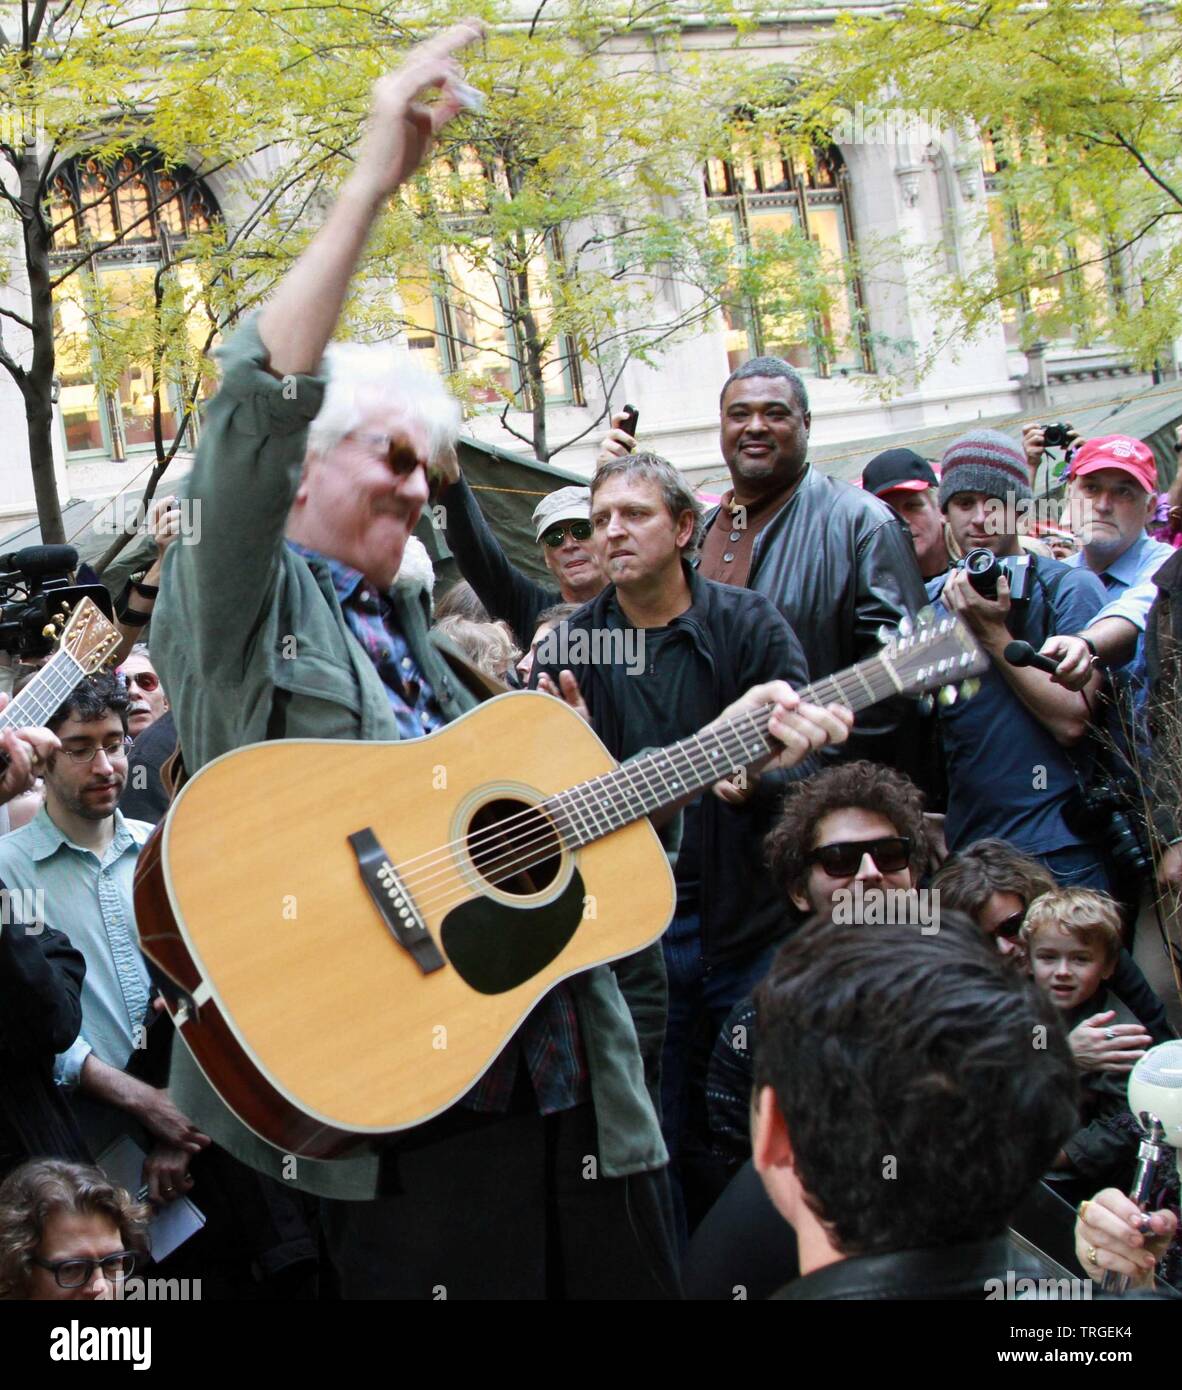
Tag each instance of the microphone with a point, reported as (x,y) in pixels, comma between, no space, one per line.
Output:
(1155,1097)
(35,560)
(1023,654)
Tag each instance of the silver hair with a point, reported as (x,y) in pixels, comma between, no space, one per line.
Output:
(388,377)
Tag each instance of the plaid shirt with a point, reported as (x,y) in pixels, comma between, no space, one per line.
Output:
(548,1042)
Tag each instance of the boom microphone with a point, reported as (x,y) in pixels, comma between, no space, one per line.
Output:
(35,560)
(1023,654)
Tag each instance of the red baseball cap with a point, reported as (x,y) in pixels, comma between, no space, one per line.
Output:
(1116,451)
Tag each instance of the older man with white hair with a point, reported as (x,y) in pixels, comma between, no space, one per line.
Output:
(293,616)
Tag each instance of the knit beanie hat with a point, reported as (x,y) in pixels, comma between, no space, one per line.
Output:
(985,461)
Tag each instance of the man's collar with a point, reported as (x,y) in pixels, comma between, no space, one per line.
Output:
(1124,568)
(763,504)
(345,579)
(45,837)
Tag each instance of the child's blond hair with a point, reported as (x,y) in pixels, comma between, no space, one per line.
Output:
(1083,913)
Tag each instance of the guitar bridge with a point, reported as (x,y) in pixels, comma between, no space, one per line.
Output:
(393,902)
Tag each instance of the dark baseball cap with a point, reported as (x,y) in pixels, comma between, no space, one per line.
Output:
(897,470)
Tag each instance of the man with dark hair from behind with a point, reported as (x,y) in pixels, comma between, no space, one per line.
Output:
(901,1114)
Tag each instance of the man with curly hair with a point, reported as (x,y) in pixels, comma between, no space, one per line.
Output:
(855,828)
(66,1233)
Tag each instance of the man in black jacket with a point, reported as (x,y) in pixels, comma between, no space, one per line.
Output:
(901,1114)
(40,1015)
(839,564)
(655,657)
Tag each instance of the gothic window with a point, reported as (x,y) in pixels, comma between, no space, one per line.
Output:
(131,215)
(783,212)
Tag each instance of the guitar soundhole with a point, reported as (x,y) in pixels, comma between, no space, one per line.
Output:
(514,846)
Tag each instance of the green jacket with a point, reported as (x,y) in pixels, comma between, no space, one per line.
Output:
(250,642)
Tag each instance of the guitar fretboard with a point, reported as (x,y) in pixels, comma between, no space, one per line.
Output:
(44,693)
(590,810)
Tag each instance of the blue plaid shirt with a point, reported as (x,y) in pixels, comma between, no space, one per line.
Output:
(547,1044)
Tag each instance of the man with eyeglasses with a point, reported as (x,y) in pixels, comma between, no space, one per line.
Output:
(290,618)
(562,527)
(77,859)
(148,700)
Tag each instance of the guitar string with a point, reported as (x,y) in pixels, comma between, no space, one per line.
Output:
(811,693)
(445,862)
(542,847)
(539,847)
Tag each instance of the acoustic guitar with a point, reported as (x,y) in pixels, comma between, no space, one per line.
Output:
(349,933)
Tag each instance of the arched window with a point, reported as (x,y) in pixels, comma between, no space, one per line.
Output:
(1071,285)
(464,312)
(118,222)
(789,216)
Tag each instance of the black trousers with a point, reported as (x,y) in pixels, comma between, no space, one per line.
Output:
(505,1207)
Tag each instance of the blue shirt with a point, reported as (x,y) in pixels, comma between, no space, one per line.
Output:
(90,899)
(368,613)
(1007,776)
(1128,582)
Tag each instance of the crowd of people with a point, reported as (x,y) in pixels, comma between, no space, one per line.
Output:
(821,1081)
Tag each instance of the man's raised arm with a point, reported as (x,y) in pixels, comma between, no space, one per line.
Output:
(299,319)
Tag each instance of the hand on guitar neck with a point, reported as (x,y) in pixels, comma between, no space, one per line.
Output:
(23,754)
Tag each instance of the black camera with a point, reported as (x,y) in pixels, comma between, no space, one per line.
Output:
(36,583)
(1104,816)
(1056,436)
(984,568)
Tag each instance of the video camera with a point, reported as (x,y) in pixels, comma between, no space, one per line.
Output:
(36,583)
(984,568)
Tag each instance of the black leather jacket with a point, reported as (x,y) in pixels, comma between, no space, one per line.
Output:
(839,564)
(952,1271)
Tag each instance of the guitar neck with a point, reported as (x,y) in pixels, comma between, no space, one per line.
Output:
(44,693)
(657,780)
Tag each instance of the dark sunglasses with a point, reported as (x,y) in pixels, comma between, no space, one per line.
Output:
(1010,926)
(146,680)
(843,860)
(580,530)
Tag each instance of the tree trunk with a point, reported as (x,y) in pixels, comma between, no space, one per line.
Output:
(37,386)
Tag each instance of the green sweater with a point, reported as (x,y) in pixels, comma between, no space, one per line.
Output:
(243,626)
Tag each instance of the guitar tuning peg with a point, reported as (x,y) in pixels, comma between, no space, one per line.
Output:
(969,688)
(906,626)
(49,631)
(925,615)
(886,634)
(948,695)
(926,705)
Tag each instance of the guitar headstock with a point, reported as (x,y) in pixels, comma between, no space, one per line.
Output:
(938,654)
(89,638)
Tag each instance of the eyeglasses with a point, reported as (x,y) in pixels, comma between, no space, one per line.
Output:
(1010,926)
(394,450)
(146,680)
(75,1274)
(580,530)
(843,860)
(113,748)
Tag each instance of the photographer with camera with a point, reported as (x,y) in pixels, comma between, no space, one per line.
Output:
(1009,771)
